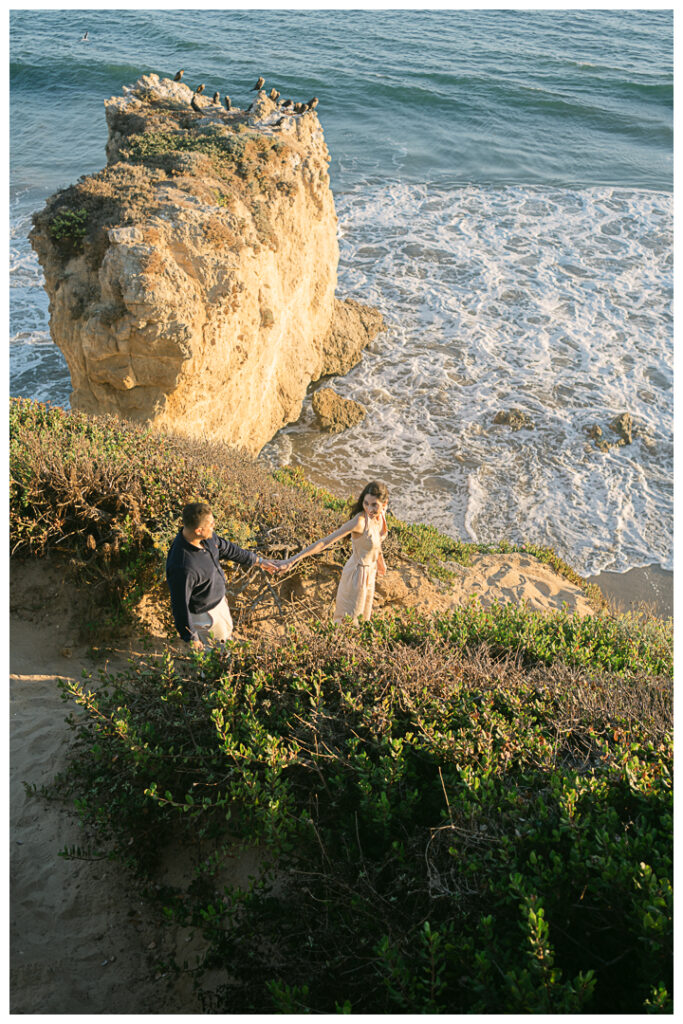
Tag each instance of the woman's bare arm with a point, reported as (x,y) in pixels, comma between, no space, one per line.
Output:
(353,526)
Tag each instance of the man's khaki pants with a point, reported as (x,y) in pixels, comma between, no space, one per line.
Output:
(214,626)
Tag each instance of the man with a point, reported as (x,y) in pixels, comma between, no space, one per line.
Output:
(196,580)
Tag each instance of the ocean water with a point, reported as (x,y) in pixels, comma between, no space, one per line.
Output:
(503,181)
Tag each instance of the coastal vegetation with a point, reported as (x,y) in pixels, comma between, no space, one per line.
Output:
(465,812)
(219,164)
(69,224)
(228,148)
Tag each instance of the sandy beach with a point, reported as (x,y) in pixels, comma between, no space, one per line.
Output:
(650,586)
(79,942)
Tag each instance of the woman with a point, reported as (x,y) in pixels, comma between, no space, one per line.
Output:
(368,528)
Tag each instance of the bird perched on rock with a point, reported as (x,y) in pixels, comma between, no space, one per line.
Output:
(200,88)
(228,104)
(286,104)
(299,108)
(312,104)
(274,95)
(178,75)
(259,85)
(194,104)
(216,97)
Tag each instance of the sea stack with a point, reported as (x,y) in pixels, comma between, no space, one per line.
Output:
(191,290)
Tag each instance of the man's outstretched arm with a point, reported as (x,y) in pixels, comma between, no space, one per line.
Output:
(228,549)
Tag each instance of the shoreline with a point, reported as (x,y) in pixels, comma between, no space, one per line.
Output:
(649,585)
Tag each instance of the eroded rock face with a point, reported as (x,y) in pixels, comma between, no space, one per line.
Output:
(192,281)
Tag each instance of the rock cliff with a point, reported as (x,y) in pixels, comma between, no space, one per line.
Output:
(192,280)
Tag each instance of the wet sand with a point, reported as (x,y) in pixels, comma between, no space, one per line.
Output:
(627,591)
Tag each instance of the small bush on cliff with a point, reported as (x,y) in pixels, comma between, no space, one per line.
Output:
(224,147)
(70,227)
(450,827)
(246,161)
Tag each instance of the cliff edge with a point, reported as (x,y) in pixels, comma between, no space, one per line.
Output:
(192,280)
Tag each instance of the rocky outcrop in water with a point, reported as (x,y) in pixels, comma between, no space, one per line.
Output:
(513,418)
(621,425)
(335,413)
(192,281)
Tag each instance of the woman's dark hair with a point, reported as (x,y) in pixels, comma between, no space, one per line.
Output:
(376,489)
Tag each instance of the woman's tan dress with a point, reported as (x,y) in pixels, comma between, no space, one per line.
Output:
(357,584)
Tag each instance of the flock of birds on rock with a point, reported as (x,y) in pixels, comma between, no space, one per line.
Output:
(287,106)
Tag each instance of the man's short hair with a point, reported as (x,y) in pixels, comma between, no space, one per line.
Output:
(195,513)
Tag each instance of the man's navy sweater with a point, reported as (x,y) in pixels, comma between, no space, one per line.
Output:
(195,577)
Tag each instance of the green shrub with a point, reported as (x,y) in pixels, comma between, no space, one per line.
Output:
(70,227)
(448,829)
(220,146)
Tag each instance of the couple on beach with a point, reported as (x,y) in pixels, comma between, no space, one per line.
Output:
(197,582)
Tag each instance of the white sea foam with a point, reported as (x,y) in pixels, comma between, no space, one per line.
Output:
(556,301)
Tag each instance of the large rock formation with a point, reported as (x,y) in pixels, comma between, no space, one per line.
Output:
(192,281)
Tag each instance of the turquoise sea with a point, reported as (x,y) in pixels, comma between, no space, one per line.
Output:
(503,181)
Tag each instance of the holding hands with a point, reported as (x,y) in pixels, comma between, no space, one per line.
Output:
(272,565)
(287,563)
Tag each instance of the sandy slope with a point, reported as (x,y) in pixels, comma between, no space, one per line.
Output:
(79,944)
